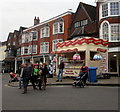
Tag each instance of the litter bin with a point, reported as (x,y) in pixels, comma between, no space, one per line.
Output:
(92,74)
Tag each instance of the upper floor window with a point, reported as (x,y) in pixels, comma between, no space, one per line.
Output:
(81,23)
(45,31)
(115,32)
(109,9)
(32,49)
(54,44)
(58,27)
(13,43)
(104,10)
(114,8)
(25,37)
(105,31)
(44,47)
(34,35)
(25,50)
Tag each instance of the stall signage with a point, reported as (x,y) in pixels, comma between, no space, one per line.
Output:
(71,72)
(101,50)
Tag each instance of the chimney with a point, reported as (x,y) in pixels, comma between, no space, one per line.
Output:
(36,20)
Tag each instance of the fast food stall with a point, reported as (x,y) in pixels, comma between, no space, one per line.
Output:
(88,49)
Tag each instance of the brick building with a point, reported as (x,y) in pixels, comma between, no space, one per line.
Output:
(109,28)
(13,45)
(39,41)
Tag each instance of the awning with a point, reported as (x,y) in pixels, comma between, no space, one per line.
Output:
(65,51)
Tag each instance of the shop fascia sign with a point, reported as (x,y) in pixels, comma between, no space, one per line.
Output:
(101,50)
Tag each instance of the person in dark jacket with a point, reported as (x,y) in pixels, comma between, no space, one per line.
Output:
(26,77)
(60,72)
(84,70)
(43,72)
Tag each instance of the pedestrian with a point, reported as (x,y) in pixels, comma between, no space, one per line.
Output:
(60,72)
(44,72)
(26,77)
(21,79)
(35,77)
(84,71)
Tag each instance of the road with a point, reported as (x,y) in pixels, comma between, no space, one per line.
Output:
(60,98)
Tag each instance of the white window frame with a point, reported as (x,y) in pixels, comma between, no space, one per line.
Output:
(23,50)
(113,25)
(33,49)
(109,31)
(45,34)
(33,33)
(43,47)
(13,43)
(109,9)
(25,37)
(54,42)
(101,30)
(58,27)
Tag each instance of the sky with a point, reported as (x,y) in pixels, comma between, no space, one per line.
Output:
(16,13)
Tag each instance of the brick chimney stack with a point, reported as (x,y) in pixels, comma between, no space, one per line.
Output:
(36,20)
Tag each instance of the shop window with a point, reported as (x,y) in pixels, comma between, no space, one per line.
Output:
(113,65)
(92,53)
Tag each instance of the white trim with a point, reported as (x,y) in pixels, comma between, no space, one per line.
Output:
(101,29)
(44,47)
(41,36)
(114,49)
(54,18)
(54,44)
(58,24)
(109,15)
(118,32)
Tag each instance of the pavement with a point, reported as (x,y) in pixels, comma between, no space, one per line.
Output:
(112,81)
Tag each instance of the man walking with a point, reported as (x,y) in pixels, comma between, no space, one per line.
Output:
(60,72)
(26,77)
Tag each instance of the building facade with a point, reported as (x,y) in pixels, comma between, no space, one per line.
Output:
(2,55)
(39,41)
(109,29)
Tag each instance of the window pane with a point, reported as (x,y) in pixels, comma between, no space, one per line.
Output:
(104,10)
(61,27)
(115,32)
(114,8)
(56,28)
(105,31)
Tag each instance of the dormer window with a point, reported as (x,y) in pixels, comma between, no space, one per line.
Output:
(81,23)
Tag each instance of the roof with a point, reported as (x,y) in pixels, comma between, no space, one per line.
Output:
(83,12)
(91,10)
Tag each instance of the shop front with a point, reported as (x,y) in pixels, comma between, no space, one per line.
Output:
(74,52)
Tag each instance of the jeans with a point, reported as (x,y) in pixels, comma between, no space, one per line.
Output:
(60,74)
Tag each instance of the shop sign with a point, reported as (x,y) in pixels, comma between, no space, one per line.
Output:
(69,72)
(101,50)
